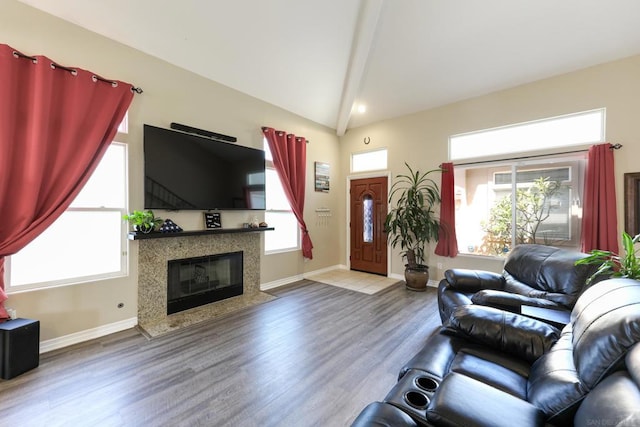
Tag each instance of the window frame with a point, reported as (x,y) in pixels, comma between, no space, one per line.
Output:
(124,244)
(575,162)
(367,152)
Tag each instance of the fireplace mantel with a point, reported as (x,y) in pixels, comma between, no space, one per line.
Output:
(156,235)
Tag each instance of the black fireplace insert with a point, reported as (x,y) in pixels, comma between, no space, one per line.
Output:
(193,282)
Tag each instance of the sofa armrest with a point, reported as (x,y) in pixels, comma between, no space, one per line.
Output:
(473,280)
(383,414)
(510,333)
(464,401)
(510,301)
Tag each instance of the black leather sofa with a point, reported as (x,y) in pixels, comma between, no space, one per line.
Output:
(534,276)
(490,367)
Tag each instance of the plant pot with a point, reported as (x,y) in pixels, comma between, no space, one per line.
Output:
(144,228)
(416,277)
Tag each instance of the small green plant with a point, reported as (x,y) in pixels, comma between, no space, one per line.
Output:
(143,221)
(614,265)
(412,223)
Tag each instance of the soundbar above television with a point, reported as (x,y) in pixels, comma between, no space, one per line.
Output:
(190,172)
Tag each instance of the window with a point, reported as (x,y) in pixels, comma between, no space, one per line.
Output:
(286,236)
(88,241)
(528,200)
(573,129)
(369,160)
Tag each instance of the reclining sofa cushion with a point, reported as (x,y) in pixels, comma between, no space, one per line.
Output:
(511,333)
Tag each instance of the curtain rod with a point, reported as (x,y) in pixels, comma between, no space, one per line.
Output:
(297,137)
(17,54)
(611,147)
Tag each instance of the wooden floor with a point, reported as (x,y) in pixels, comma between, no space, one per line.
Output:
(315,356)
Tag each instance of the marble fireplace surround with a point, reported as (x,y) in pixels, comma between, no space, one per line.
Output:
(153,256)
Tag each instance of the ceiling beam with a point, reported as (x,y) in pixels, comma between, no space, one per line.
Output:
(362,41)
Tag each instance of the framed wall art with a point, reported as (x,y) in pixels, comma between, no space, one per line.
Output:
(322,176)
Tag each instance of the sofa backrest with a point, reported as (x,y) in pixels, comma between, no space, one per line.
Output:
(548,269)
(616,400)
(606,324)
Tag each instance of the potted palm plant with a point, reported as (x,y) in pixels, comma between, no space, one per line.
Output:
(613,265)
(413,222)
(143,221)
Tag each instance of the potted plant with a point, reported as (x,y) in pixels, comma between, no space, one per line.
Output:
(614,265)
(413,223)
(143,221)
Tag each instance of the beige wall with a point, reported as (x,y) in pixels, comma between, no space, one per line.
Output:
(422,138)
(170,95)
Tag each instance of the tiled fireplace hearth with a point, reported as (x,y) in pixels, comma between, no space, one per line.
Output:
(154,255)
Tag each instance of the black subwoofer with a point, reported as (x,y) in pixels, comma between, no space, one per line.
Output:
(19,347)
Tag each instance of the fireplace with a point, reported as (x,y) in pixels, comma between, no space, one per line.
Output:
(197,281)
(156,250)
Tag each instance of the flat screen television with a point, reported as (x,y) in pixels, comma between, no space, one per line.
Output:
(190,172)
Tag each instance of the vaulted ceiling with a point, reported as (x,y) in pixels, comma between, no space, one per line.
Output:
(321,59)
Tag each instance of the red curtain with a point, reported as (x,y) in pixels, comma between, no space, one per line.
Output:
(290,160)
(447,239)
(55,125)
(599,216)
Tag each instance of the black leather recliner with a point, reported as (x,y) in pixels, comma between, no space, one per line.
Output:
(534,275)
(490,367)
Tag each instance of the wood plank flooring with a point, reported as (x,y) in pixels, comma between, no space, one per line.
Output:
(316,356)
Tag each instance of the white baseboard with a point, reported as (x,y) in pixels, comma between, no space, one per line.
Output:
(298,277)
(86,335)
(280,282)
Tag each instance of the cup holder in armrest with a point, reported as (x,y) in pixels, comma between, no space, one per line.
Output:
(426,383)
(416,399)
(412,394)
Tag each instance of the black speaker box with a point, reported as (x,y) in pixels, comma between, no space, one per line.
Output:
(19,347)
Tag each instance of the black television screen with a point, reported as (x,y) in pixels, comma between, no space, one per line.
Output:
(189,172)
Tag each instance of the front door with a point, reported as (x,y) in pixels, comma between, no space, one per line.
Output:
(368,213)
